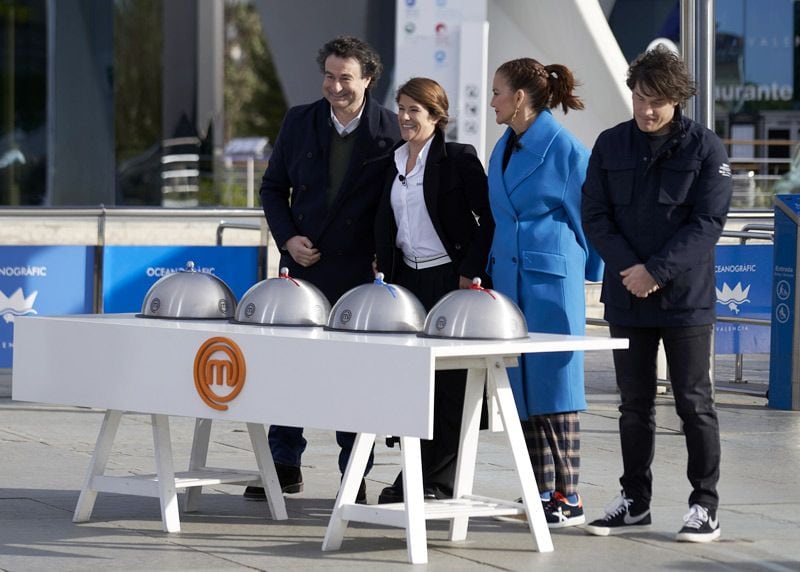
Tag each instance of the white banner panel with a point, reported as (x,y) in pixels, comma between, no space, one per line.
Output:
(446,40)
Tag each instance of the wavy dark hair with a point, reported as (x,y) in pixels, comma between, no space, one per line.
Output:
(546,86)
(660,72)
(352,47)
(430,95)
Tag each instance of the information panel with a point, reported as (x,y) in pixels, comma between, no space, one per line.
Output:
(48,280)
(743,285)
(129,271)
(784,362)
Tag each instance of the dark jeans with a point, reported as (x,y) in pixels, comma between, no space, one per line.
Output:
(688,351)
(287,445)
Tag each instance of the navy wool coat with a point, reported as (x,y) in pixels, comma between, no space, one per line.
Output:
(293,194)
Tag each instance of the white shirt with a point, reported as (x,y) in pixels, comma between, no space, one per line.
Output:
(416,236)
(351,125)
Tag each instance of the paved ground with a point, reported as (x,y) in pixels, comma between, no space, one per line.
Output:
(45,451)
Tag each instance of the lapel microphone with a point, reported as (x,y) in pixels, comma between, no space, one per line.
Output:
(402,180)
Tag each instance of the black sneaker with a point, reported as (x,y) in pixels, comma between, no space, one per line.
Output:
(622,515)
(548,506)
(394,494)
(254,494)
(560,513)
(290,478)
(702,525)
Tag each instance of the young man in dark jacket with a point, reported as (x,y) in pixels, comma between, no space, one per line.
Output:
(655,200)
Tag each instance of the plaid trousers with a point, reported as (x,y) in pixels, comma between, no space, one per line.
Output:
(554,447)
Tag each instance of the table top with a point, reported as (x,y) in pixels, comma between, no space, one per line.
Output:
(369,383)
(440,347)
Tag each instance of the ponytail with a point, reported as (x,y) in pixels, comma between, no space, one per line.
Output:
(546,86)
(560,84)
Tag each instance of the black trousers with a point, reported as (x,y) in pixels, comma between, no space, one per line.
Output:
(688,351)
(440,454)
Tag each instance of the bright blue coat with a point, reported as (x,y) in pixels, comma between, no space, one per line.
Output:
(540,257)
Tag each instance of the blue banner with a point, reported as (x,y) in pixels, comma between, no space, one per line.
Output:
(49,280)
(784,294)
(129,271)
(744,290)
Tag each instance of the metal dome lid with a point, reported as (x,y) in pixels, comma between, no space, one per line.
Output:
(189,295)
(283,301)
(377,307)
(476,313)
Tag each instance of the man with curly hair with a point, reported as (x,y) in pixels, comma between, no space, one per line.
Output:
(320,193)
(655,200)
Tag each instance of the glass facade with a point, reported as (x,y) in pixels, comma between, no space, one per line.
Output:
(96,97)
(755,55)
(756,92)
(756,100)
(23,102)
(138,89)
(125,102)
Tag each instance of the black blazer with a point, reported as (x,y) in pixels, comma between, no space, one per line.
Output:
(457,198)
(293,193)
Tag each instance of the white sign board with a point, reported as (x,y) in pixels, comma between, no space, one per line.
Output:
(447,41)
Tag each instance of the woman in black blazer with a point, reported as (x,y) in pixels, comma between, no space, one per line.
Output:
(433,232)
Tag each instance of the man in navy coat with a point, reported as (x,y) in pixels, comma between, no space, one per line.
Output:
(320,193)
(655,200)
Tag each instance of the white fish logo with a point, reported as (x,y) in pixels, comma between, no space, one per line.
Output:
(16,305)
(733,298)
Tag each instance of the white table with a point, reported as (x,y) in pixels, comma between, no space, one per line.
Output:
(305,377)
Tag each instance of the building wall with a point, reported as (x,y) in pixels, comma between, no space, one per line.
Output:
(322,20)
(576,34)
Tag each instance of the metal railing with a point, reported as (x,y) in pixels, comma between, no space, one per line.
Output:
(755,172)
(103,215)
(238,225)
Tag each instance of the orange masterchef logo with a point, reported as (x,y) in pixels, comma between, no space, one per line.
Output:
(219,372)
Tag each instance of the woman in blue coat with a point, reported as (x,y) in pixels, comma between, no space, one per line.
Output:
(540,259)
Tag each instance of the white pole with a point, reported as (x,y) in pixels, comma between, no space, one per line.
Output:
(250,182)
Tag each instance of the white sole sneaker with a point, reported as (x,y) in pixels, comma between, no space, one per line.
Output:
(614,530)
(574,521)
(515,518)
(695,537)
(521,519)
